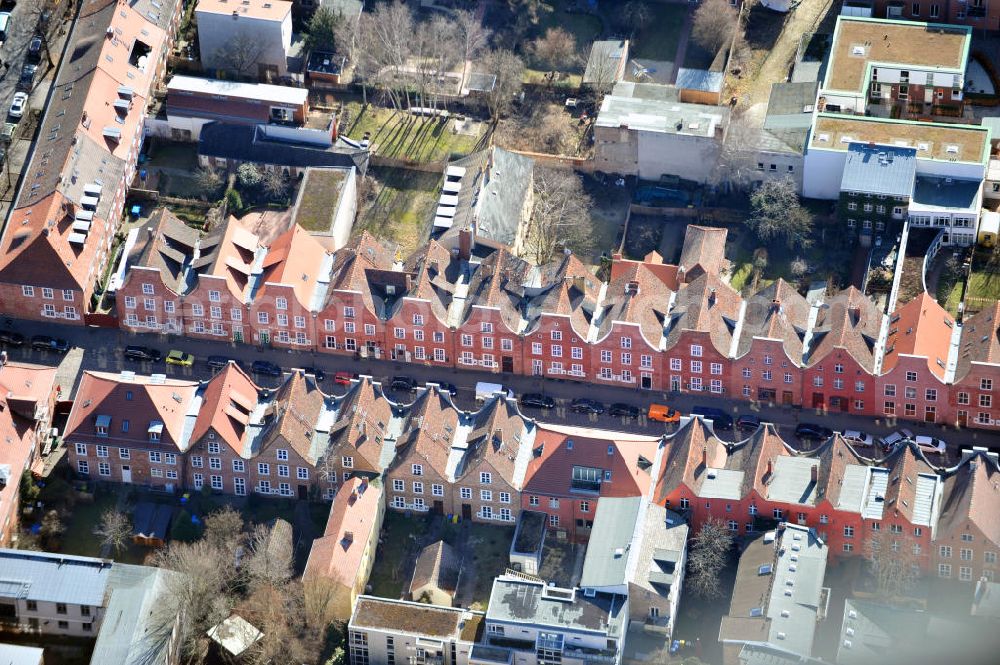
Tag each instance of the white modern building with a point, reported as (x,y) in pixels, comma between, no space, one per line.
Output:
(247,37)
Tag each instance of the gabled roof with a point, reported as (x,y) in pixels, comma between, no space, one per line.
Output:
(297,405)
(351,265)
(493,190)
(228,401)
(436,274)
(233,253)
(361,424)
(910,476)
(972,494)
(841,474)
(297,259)
(143,400)
(337,556)
(27,388)
(980,341)
(637,296)
(690,452)
(250,143)
(704,251)
(428,432)
(708,305)
(574,291)
(168,245)
(497,434)
(757,457)
(921,327)
(499,281)
(557,449)
(849,321)
(438,565)
(776,312)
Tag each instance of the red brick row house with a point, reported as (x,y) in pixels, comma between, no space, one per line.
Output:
(652,326)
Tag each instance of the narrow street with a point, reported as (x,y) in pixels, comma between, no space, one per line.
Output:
(100,349)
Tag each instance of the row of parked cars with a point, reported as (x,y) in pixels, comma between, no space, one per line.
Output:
(184,359)
(38,342)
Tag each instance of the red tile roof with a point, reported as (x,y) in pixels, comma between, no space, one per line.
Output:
(637,295)
(708,305)
(360,427)
(690,451)
(849,321)
(920,328)
(333,556)
(428,433)
(704,251)
(972,494)
(776,312)
(980,341)
(229,398)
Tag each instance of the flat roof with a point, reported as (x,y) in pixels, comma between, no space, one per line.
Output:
(273,10)
(946,194)
(610,542)
(279,94)
(879,170)
(55,578)
(961,143)
(417,618)
(623,109)
(860,41)
(514,600)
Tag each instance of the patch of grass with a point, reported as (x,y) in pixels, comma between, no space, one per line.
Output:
(585,27)
(404,205)
(658,38)
(491,547)
(984,280)
(318,200)
(401,135)
(79,537)
(398,549)
(562,80)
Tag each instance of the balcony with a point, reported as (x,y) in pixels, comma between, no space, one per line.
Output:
(602,656)
(482,653)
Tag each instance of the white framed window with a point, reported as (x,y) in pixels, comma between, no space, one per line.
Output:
(485,495)
(418,487)
(398,485)
(417,469)
(465,492)
(29,292)
(485,478)
(263,468)
(437,489)
(83,467)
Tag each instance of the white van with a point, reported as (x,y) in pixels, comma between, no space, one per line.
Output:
(4,25)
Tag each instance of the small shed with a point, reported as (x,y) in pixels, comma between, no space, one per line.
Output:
(436,574)
(606,64)
(699,86)
(989,228)
(325,67)
(234,635)
(529,539)
(151,524)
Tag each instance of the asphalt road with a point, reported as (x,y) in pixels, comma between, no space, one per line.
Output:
(100,349)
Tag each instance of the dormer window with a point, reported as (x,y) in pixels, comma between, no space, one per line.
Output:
(155,430)
(102,424)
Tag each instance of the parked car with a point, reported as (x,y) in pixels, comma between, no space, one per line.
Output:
(315,372)
(218,362)
(177,357)
(622,410)
(27,79)
(35,48)
(537,401)
(46,343)
(662,413)
(405,384)
(720,419)
(813,431)
(586,405)
(859,438)
(11,338)
(143,353)
(265,367)
(342,378)
(889,441)
(446,387)
(18,104)
(930,444)
(747,423)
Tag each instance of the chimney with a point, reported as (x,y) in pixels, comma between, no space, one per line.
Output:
(704,455)
(632,288)
(775,305)
(363,486)
(408,282)
(711,297)
(353,498)
(348,537)
(813,473)
(770,467)
(465,244)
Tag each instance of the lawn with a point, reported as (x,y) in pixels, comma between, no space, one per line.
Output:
(585,27)
(401,536)
(318,199)
(403,206)
(984,280)
(167,154)
(491,556)
(405,136)
(79,537)
(658,38)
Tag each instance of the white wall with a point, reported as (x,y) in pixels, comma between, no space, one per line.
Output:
(215,30)
(347,209)
(690,157)
(823,172)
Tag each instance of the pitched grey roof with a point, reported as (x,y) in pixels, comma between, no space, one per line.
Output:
(605,59)
(699,79)
(167,244)
(879,170)
(792,481)
(247,143)
(62,578)
(137,623)
(493,191)
(790,105)
(658,556)
(610,542)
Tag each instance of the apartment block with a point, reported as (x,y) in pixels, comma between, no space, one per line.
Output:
(245,37)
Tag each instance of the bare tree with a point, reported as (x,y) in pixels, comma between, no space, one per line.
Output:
(224,529)
(891,564)
(602,74)
(385,39)
(270,554)
(51,530)
(278,612)
(554,52)
(275,184)
(46,17)
(634,15)
(736,167)
(241,53)
(560,216)
(508,70)
(707,556)
(777,214)
(434,52)
(115,530)
(714,24)
(208,182)
(472,36)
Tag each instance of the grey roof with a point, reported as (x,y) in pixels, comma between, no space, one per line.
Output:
(792,480)
(783,140)
(791,100)
(874,502)
(852,489)
(514,600)
(167,244)
(939,193)
(993,123)
(530,533)
(768,654)
(657,115)
(248,143)
(137,624)
(722,484)
(151,520)
(481,82)
(699,79)
(641,70)
(879,170)
(611,540)
(923,501)
(605,57)
(13,654)
(495,186)
(659,555)
(62,578)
